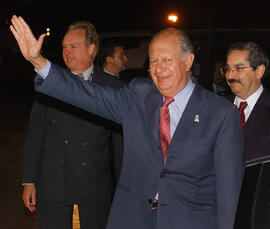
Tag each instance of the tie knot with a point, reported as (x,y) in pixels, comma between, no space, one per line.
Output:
(167,101)
(242,106)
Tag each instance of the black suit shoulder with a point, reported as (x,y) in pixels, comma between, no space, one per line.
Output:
(102,78)
(264,99)
(257,128)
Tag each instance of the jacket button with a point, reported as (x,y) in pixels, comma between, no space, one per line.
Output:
(53,121)
(66,141)
(85,143)
(83,164)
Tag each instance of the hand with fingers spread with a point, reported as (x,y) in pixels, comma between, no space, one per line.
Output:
(30,47)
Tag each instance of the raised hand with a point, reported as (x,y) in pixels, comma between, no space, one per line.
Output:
(30,47)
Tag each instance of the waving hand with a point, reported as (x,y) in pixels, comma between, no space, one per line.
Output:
(30,47)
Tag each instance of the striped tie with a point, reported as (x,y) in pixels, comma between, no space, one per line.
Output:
(164,126)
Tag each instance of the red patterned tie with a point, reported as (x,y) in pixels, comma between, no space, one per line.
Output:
(164,126)
(241,109)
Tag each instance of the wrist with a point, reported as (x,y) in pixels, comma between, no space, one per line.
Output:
(38,62)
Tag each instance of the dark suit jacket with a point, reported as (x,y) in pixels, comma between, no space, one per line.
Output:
(71,155)
(257,128)
(199,185)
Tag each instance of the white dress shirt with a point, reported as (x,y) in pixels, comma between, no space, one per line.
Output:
(251,101)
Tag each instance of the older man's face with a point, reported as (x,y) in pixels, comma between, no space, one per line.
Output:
(77,56)
(168,70)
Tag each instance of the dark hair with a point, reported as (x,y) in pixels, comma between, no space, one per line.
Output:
(106,51)
(256,55)
(186,45)
(91,36)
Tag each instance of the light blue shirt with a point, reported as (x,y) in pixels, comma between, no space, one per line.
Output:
(177,107)
(87,74)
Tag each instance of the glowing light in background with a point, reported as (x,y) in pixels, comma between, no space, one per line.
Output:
(172,18)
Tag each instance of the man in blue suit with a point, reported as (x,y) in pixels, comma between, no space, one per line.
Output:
(182,165)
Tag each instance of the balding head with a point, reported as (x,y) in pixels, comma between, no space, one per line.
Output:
(171,56)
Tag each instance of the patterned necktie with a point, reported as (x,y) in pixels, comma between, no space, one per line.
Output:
(241,109)
(164,126)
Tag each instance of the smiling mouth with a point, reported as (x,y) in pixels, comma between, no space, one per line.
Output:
(233,81)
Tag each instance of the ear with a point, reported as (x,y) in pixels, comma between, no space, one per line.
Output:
(189,61)
(91,49)
(260,71)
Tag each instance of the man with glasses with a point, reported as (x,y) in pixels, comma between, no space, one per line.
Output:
(245,67)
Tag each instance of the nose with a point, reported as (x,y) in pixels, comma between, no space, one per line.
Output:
(230,74)
(160,67)
(66,51)
(125,59)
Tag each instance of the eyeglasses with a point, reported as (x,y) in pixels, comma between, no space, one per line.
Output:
(236,69)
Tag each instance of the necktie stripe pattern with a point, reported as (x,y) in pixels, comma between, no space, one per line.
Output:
(164,126)
(241,109)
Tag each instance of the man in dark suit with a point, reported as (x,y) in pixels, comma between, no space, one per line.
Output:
(182,164)
(69,155)
(113,59)
(245,67)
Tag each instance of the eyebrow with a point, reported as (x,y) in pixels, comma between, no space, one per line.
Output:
(235,65)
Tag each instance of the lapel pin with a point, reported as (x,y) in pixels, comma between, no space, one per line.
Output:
(196,119)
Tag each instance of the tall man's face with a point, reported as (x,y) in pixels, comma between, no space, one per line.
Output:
(169,71)
(77,56)
(241,77)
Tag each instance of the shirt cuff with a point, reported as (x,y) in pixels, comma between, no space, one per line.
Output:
(44,71)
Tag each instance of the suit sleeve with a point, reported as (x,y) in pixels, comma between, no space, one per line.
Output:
(228,168)
(105,101)
(117,149)
(34,141)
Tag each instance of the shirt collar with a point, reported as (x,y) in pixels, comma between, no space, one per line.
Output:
(87,74)
(181,99)
(251,100)
(110,73)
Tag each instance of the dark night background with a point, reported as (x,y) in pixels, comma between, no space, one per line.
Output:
(204,20)
(212,25)
(147,14)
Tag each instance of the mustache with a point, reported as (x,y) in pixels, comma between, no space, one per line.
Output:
(233,81)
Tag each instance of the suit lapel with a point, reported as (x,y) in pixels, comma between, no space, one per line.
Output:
(152,107)
(152,104)
(259,114)
(190,117)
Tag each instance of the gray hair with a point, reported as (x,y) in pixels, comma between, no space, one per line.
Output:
(256,55)
(186,46)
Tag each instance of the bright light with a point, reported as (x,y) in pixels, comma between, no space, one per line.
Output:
(172,18)
(48,32)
